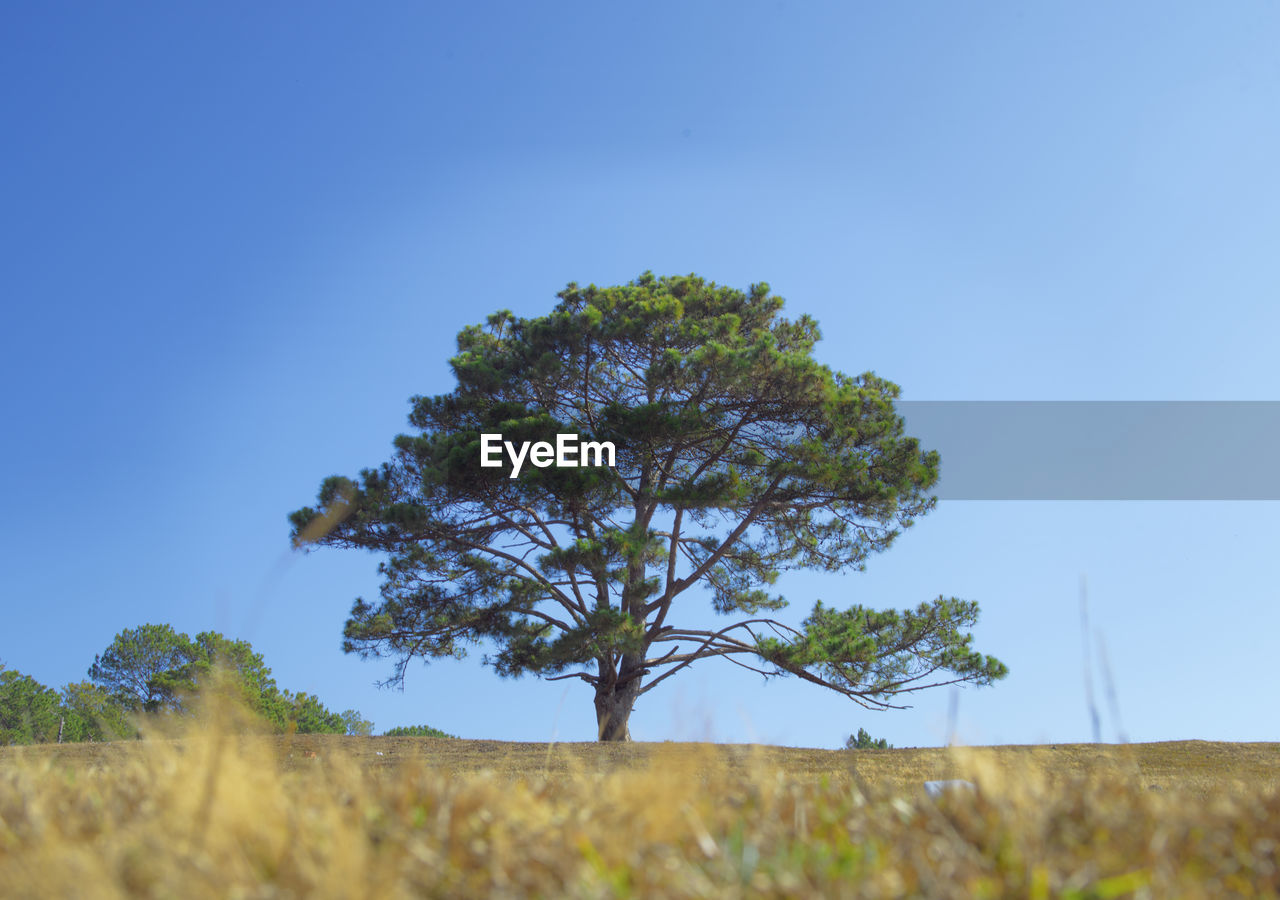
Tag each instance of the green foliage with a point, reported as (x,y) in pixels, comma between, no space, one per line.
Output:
(864,741)
(738,457)
(872,654)
(234,669)
(161,671)
(142,667)
(238,657)
(29,711)
(417,731)
(356,724)
(307,715)
(92,714)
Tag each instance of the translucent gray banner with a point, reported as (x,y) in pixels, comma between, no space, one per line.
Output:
(1100,450)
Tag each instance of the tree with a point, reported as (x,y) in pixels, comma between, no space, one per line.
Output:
(29,711)
(356,724)
(143,667)
(237,656)
(93,714)
(307,715)
(32,713)
(232,668)
(737,456)
(864,741)
(156,669)
(417,731)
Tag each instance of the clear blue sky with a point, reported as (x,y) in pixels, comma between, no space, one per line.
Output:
(235,239)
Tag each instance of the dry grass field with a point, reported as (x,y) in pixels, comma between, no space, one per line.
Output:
(304,816)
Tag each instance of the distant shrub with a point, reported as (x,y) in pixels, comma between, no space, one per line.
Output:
(417,731)
(864,741)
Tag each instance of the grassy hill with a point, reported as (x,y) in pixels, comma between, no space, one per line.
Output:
(1198,768)
(214,816)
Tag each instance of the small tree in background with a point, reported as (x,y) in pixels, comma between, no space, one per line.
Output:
(155,669)
(417,731)
(863,741)
(247,669)
(92,714)
(142,667)
(356,724)
(29,711)
(307,715)
(32,713)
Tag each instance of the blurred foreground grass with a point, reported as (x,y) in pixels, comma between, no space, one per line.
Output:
(219,816)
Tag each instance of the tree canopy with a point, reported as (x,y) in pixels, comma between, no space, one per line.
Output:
(30,713)
(738,456)
(416,731)
(92,714)
(140,666)
(155,669)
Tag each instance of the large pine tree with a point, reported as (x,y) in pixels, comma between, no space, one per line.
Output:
(737,456)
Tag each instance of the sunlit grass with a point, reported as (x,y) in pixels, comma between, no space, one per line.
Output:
(223,816)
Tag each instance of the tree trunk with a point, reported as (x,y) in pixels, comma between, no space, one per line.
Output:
(614,704)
